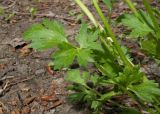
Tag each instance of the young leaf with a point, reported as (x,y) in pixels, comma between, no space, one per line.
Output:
(129,77)
(75,77)
(139,28)
(146,18)
(68,53)
(64,58)
(87,39)
(54,26)
(43,36)
(83,57)
(76,97)
(107,96)
(130,111)
(96,105)
(147,91)
(108,3)
(95,79)
(149,45)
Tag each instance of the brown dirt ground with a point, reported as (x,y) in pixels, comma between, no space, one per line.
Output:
(31,88)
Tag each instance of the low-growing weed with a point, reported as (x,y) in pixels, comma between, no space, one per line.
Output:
(116,75)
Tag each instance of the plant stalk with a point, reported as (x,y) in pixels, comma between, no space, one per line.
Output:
(132,7)
(109,30)
(88,13)
(150,12)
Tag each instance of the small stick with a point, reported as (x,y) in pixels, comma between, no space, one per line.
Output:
(21,81)
(8,77)
(4,88)
(47,15)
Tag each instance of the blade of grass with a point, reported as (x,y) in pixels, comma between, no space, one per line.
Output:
(87,12)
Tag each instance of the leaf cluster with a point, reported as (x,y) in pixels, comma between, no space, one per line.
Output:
(51,34)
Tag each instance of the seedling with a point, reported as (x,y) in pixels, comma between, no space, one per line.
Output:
(116,74)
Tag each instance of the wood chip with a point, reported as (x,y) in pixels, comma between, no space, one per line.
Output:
(48,98)
(16,111)
(24,87)
(17,43)
(49,69)
(1,110)
(25,51)
(2,66)
(25,110)
(29,100)
(55,104)
(44,103)
(13,102)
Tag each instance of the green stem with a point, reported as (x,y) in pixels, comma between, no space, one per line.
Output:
(94,91)
(150,12)
(109,30)
(88,13)
(132,7)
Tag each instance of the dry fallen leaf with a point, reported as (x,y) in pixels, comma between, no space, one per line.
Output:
(24,87)
(16,111)
(2,66)
(48,98)
(49,69)
(114,15)
(25,51)
(1,110)
(44,103)
(55,104)
(13,102)
(29,100)
(17,43)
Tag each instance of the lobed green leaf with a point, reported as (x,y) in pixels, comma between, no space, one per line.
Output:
(139,28)
(45,35)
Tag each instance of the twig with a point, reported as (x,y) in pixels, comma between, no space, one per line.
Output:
(2,105)
(4,88)
(50,14)
(7,85)
(7,77)
(20,99)
(21,81)
(5,73)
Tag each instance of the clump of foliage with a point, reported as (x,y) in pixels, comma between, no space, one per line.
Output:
(116,75)
(145,25)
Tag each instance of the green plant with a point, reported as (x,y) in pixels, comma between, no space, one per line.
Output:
(97,45)
(144,25)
